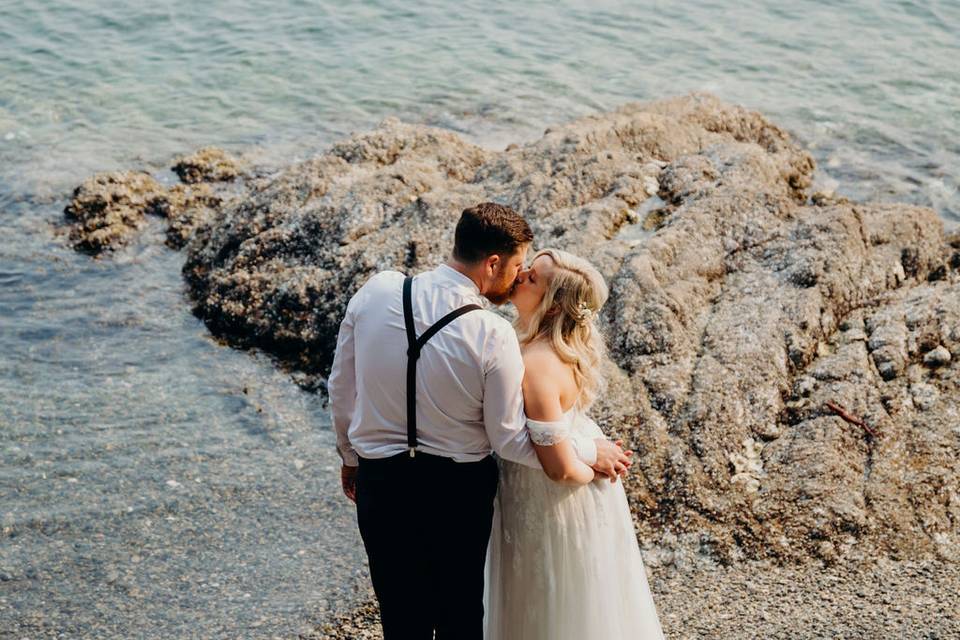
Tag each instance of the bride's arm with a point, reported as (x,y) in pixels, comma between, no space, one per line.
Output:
(561,464)
(541,399)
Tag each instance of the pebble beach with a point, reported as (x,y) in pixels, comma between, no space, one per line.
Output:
(759,601)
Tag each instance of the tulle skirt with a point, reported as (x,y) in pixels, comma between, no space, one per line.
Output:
(563,563)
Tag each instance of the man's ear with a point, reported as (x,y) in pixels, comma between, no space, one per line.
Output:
(493,263)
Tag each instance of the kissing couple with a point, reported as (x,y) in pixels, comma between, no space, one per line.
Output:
(426,384)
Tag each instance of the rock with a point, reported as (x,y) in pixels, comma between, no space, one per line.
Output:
(187,208)
(747,466)
(743,311)
(888,370)
(937,357)
(208,164)
(108,209)
(924,395)
(804,386)
(827,552)
(738,294)
(655,219)
(181,197)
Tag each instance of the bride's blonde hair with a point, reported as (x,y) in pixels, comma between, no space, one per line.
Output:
(567,318)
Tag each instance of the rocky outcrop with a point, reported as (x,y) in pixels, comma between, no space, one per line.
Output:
(783,363)
(276,271)
(186,208)
(208,164)
(110,209)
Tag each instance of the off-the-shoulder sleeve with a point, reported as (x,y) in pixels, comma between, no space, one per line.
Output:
(548,433)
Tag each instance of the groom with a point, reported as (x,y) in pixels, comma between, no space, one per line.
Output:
(424,384)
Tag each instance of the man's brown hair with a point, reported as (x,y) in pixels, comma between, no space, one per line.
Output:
(489,228)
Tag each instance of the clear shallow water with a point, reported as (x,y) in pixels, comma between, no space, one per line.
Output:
(152,482)
(873,88)
(142,492)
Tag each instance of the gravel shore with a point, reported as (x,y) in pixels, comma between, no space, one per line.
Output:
(880,599)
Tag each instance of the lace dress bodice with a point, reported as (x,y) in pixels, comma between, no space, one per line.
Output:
(573,423)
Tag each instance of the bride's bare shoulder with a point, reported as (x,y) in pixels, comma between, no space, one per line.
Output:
(545,374)
(540,357)
(539,353)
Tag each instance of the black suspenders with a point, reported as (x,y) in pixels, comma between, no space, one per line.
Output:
(414,347)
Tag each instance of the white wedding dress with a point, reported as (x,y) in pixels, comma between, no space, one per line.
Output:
(563,562)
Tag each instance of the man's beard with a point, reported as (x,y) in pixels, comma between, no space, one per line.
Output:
(501,297)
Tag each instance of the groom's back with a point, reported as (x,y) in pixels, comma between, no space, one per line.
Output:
(450,373)
(466,391)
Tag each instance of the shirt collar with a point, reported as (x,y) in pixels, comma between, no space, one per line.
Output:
(451,274)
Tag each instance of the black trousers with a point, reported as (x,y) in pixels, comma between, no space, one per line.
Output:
(425,523)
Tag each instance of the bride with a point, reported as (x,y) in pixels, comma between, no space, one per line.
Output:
(563,559)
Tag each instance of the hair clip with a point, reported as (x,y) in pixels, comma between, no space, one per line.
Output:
(586,313)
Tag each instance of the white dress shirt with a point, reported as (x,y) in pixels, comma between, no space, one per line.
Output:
(469,398)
